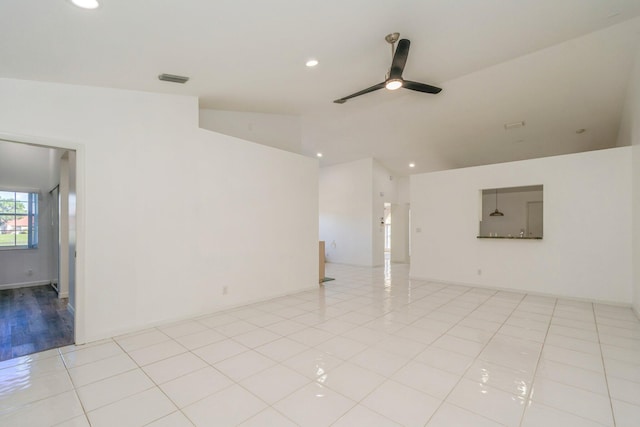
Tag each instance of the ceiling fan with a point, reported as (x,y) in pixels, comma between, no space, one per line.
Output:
(394,78)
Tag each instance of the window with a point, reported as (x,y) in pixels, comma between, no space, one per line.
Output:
(18,220)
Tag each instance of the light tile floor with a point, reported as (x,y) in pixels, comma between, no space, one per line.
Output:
(372,348)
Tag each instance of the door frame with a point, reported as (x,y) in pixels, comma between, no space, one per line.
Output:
(79,309)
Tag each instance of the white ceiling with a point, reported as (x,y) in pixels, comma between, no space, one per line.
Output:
(559,65)
(28,168)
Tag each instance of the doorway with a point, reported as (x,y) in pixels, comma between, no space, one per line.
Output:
(37,305)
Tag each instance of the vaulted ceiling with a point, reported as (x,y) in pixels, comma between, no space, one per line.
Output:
(557,65)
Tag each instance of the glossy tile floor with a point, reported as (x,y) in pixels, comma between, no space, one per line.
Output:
(371,348)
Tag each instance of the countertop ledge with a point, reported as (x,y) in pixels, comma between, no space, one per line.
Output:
(509,237)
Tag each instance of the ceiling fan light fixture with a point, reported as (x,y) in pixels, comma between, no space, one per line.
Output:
(86,4)
(393,84)
(393,79)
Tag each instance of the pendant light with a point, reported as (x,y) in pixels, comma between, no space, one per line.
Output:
(496,212)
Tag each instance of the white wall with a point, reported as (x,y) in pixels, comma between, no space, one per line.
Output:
(346,220)
(276,130)
(586,250)
(403,189)
(630,134)
(400,232)
(636,218)
(169,214)
(400,221)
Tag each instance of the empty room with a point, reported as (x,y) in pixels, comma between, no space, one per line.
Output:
(299,213)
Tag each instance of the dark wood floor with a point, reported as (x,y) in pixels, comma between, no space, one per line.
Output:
(33,319)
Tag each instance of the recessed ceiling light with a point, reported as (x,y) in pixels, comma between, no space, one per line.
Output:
(514,125)
(579,131)
(412,165)
(319,154)
(86,4)
(311,63)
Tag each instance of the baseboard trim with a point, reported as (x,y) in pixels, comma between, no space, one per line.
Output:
(220,309)
(353,265)
(527,292)
(25,284)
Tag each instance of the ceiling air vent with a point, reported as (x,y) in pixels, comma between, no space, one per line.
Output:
(172,78)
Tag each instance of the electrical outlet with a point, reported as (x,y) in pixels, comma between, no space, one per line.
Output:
(225,290)
(479,272)
(29,272)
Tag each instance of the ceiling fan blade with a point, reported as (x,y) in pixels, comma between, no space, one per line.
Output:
(420,87)
(399,59)
(362,92)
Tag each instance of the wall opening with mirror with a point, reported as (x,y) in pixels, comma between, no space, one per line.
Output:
(512,213)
